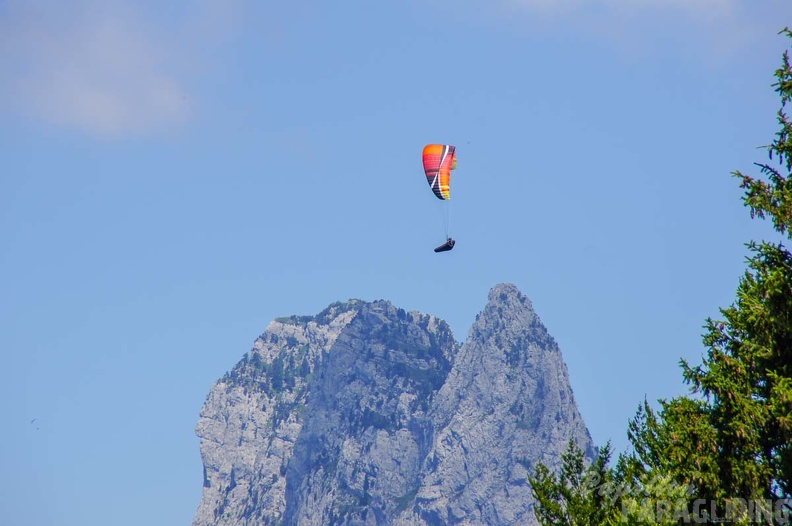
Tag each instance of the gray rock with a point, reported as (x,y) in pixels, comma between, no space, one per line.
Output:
(367,414)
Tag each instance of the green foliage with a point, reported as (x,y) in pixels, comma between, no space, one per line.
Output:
(774,197)
(298,321)
(730,442)
(679,440)
(746,376)
(734,440)
(579,495)
(276,373)
(655,500)
(403,502)
(377,420)
(336,309)
(305,368)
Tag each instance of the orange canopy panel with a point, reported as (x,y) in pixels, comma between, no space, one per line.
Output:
(438,161)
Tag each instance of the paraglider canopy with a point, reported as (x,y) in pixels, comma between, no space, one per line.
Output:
(438,161)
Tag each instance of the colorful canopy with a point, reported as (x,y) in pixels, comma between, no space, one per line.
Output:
(438,161)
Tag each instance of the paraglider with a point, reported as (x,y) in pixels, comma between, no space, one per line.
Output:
(438,161)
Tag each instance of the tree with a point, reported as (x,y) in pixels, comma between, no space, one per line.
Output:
(276,374)
(580,495)
(730,441)
(596,494)
(746,376)
(734,439)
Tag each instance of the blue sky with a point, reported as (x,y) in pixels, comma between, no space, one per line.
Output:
(171,179)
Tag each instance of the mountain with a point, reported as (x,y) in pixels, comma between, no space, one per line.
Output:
(368,415)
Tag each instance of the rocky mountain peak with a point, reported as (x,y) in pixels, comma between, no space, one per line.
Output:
(508,294)
(508,310)
(368,414)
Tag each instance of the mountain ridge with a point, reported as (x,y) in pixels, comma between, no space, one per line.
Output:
(370,414)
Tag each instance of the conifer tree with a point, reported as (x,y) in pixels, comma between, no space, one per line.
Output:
(746,377)
(577,496)
(733,439)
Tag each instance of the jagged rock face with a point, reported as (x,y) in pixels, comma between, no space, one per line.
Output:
(252,418)
(506,405)
(367,414)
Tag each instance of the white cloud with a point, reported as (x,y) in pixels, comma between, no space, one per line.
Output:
(707,9)
(711,30)
(686,5)
(100,66)
(619,15)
